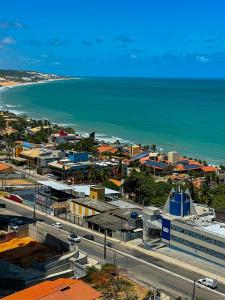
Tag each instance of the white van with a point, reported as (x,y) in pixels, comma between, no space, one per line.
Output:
(209,282)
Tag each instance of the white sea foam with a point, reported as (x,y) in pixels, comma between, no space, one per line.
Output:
(66,124)
(16,112)
(12,105)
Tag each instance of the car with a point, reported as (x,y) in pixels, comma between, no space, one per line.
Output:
(209,282)
(2,205)
(72,237)
(57,225)
(51,176)
(14,227)
(89,237)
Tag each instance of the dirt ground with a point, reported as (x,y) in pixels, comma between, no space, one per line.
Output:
(22,251)
(22,181)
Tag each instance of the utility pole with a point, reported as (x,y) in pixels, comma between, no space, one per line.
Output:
(34,214)
(105,245)
(193,294)
(114,259)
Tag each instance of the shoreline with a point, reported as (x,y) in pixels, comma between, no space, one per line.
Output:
(101,137)
(35,82)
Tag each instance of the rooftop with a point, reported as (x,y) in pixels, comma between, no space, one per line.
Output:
(86,190)
(109,221)
(123,204)
(59,289)
(4,167)
(97,205)
(55,185)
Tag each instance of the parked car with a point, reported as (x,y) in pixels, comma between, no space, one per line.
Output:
(72,237)
(2,205)
(209,282)
(89,237)
(57,225)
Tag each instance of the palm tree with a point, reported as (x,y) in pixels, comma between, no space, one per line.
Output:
(10,144)
(205,195)
(153,148)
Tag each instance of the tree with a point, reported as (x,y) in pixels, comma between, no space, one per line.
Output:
(153,148)
(85,144)
(2,123)
(205,195)
(110,185)
(146,189)
(10,141)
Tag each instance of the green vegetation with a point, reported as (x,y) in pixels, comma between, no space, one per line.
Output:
(85,144)
(110,185)
(22,75)
(114,285)
(2,123)
(65,146)
(145,189)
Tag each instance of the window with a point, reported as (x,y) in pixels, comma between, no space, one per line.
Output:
(198,236)
(198,247)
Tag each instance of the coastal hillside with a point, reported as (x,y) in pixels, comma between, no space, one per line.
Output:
(10,77)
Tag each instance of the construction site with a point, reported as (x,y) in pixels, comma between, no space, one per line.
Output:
(30,255)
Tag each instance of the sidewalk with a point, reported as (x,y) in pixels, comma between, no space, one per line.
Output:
(180,260)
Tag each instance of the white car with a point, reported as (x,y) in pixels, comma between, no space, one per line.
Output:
(209,282)
(14,227)
(72,237)
(57,225)
(51,176)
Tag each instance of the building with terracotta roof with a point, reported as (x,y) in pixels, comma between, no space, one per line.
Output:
(59,289)
(208,169)
(5,168)
(116,182)
(106,148)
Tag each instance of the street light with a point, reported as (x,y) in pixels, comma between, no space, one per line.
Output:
(34,214)
(193,294)
(105,244)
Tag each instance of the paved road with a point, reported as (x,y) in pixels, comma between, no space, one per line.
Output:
(146,269)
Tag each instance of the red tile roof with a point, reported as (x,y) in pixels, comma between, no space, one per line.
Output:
(116,182)
(59,289)
(106,148)
(4,167)
(207,169)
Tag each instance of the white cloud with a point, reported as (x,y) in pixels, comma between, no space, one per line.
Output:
(202,58)
(133,56)
(56,63)
(8,40)
(30,60)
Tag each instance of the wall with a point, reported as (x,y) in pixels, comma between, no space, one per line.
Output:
(78,156)
(197,246)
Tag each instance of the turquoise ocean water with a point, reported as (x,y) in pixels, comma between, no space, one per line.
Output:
(183,115)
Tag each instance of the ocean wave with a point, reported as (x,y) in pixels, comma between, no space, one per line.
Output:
(16,112)
(12,105)
(65,124)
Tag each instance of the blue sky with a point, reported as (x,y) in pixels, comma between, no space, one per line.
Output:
(163,38)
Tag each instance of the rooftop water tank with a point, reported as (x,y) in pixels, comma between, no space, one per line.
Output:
(134,215)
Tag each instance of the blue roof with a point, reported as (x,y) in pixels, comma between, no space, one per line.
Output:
(140,155)
(191,166)
(156,164)
(182,162)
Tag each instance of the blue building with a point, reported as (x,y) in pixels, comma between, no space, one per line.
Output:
(188,227)
(78,156)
